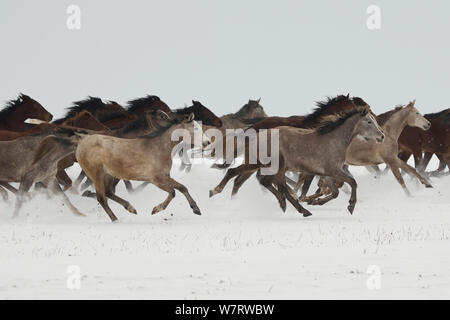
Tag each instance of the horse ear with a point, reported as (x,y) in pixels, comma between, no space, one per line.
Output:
(413,102)
(191,117)
(259,100)
(193,102)
(348,95)
(162,115)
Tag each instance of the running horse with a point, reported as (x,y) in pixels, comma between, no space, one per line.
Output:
(13,116)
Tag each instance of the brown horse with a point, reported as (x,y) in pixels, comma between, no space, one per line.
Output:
(14,114)
(436,140)
(302,150)
(148,159)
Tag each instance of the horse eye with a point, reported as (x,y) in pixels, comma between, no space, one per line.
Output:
(369,122)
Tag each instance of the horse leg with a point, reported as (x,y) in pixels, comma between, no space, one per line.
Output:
(77,182)
(374,169)
(24,187)
(9,187)
(168,187)
(239,181)
(414,172)
(287,191)
(110,193)
(141,187)
(300,181)
(266,181)
(100,190)
(175,184)
(231,173)
(4,194)
(441,168)
(306,185)
(221,166)
(64,179)
(419,160)
(398,176)
(315,195)
(129,186)
(56,188)
(333,193)
(86,184)
(347,177)
(422,165)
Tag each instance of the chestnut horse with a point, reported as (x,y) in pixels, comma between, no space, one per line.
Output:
(436,140)
(14,114)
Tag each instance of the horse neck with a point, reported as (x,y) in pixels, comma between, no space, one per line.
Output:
(17,116)
(344,134)
(394,126)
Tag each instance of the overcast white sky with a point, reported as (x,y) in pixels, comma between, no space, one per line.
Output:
(289,53)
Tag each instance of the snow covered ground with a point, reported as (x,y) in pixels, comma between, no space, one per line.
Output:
(241,248)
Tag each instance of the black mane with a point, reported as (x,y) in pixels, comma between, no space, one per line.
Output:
(11,105)
(91,104)
(358,101)
(328,126)
(322,106)
(136,104)
(140,123)
(104,116)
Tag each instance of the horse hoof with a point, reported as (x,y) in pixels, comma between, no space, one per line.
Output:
(211,193)
(87,194)
(131,209)
(428,186)
(350,209)
(196,210)
(307,214)
(156,210)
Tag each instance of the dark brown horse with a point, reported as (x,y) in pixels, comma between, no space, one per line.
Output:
(14,114)
(414,141)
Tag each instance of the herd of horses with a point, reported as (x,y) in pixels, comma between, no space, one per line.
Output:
(112,143)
